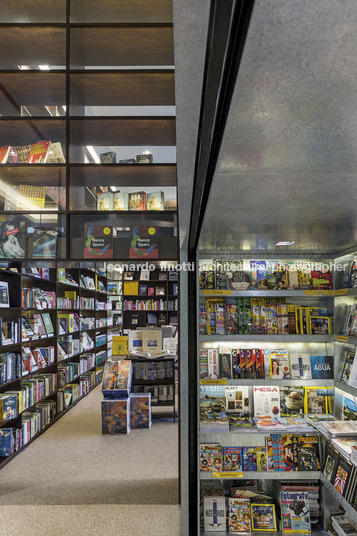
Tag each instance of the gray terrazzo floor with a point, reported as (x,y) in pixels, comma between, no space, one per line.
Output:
(72,480)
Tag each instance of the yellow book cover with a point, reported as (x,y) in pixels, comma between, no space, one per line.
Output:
(70,294)
(316,401)
(120,345)
(131,288)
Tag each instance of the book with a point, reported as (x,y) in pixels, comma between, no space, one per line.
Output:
(249,459)
(346,373)
(211,458)
(120,201)
(120,345)
(279,365)
(4,294)
(263,517)
(316,400)
(12,239)
(155,201)
(104,201)
(266,401)
(55,154)
(308,453)
(322,367)
(214,514)
(140,411)
(295,511)
(116,380)
(39,152)
(320,325)
(239,519)
(143,243)
(108,158)
(4,153)
(137,201)
(291,400)
(330,468)
(116,416)
(98,242)
(343,473)
(232,459)
(300,366)
(44,243)
(213,363)
(237,400)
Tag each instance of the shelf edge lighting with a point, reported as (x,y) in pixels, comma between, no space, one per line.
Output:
(284,243)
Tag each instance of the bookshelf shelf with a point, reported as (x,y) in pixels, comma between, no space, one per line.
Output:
(268,338)
(347,388)
(266,293)
(272,475)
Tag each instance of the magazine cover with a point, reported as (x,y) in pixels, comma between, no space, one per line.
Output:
(349,408)
(39,152)
(213,417)
(322,367)
(266,401)
(211,458)
(12,239)
(144,243)
(116,416)
(295,511)
(140,410)
(291,401)
(331,463)
(342,476)
(98,242)
(232,459)
(263,517)
(214,514)
(308,453)
(316,400)
(261,458)
(237,400)
(279,365)
(116,380)
(346,374)
(300,366)
(239,515)
(44,243)
(249,459)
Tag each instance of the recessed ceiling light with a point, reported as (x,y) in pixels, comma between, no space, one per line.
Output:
(284,243)
(44,67)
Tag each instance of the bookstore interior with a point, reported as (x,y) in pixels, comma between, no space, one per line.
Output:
(226,384)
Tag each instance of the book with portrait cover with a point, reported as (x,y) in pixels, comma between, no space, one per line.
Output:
(12,239)
(98,242)
(144,243)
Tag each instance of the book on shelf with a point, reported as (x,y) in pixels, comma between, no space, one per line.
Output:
(263,517)
(342,476)
(98,242)
(104,201)
(317,399)
(300,366)
(55,154)
(39,152)
(155,201)
(137,201)
(44,243)
(143,243)
(213,417)
(108,158)
(214,514)
(322,367)
(12,239)
(120,201)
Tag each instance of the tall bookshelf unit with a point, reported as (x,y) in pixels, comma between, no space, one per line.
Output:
(97,77)
(336,344)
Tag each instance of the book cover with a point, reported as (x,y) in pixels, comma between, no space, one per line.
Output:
(213,417)
(98,242)
(108,158)
(137,201)
(211,458)
(261,458)
(263,517)
(308,453)
(279,365)
(316,400)
(4,153)
(332,457)
(144,243)
(232,459)
(342,476)
(239,280)
(140,410)
(44,243)
(349,407)
(120,201)
(250,459)
(6,442)
(213,363)
(152,341)
(322,367)
(39,152)
(291,401)
(266,401)
(104,201)
(116,416)
(55,154)
(237,400)
(214,514)
(12,239)
(300,366)
(116,380)
(295,511)
(346,373)
(120,345)
(239,517)
(155,201)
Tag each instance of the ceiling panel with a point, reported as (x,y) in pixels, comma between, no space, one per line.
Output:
(287,168)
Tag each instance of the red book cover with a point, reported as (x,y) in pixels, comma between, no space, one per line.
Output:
(38,153)
(4,152)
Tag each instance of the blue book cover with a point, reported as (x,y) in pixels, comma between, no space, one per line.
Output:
(5,442)
(322,367)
